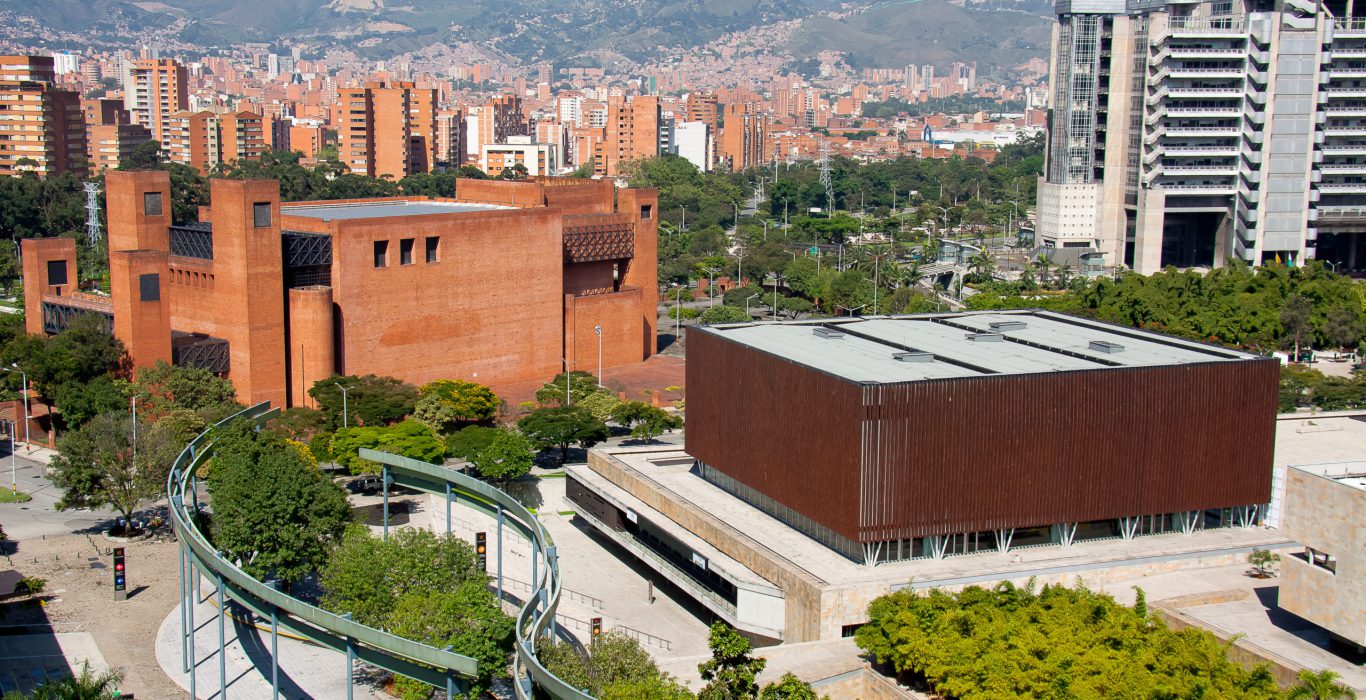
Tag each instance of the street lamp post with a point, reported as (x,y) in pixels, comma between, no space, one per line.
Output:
(856,308)
(678,312)
(684,226)
(24,375)
(566,380)
(13,471)
(598,330)
(747,302)
(343,391)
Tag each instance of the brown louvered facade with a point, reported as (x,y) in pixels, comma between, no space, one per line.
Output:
(892,461)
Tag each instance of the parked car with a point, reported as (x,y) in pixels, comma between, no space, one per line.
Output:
(365,485)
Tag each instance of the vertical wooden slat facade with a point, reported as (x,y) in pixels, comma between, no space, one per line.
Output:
(877,462)
(776,426)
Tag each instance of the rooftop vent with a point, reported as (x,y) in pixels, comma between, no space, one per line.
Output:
(823,332)
(985,337)
(913,357)
(1106,346)
(1003,326)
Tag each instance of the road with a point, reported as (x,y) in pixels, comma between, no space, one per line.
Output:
(39,517)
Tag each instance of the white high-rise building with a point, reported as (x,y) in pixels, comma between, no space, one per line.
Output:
(65,62)
(694,143)
(1189,134)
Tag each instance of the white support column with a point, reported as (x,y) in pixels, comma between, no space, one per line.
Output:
(1128,527)
(1187,519)
(1003,539)
(1067,533)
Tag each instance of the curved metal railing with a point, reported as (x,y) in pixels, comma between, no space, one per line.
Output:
(438,667)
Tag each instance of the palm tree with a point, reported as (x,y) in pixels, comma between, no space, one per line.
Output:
(87,686)
(982,266)
(1320,686)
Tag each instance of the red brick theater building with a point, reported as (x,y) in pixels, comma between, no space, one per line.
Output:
(913,437)
(494,286)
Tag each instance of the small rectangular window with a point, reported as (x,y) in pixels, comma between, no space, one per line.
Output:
(646,211)
(433,249)
(56,272)
(381,253)
(260,214)
(151,204)
(149,287)
(405,251)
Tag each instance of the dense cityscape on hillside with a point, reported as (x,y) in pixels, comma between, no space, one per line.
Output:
(661,350)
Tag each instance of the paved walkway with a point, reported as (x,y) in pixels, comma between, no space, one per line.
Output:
(1253,613)
(306,671)
(28,660)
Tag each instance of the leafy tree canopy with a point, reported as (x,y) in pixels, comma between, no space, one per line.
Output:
(446,405)
(580,384)
(366,576)
(561,427)
(370,400)
(645,421)
(1059,642)
(507,456)
(731,671)
(272,512)
(409,439)
(163,387)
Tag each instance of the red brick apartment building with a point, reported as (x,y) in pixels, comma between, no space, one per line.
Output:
(494,286)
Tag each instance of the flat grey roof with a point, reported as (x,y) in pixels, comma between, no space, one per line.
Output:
(375,210)
(967,344)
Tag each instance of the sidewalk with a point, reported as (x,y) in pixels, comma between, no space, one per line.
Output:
(306,671)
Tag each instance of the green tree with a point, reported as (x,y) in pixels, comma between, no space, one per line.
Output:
(723,314)
(562,426)
(1320,685)
(468,441)
(731,671)
(1009,641)
(370,400)
(446,405)
(614,666)
(1343,329)
(600,403)
(789,687)
(580,384)
(1263,560)
(508,455)
(80,402)
(163,387)
(272,512)
(366,576)
(1295,318)
(408,439)
(645,421)
(95,465)
(468,620)
(62,365)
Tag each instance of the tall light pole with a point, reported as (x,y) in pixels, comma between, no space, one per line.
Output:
(15,368)
(747,302)
(739,268)
(684,226)
(13,472)
(566,380)
(598,330)
(678,312)
(343,391)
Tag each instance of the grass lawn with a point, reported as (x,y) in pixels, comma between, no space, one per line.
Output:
(8,496)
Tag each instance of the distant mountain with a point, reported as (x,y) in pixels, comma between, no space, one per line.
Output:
(997,34)
(529,30)
(886,33)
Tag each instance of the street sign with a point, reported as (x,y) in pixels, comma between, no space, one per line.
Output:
(481,548)
(120,575)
